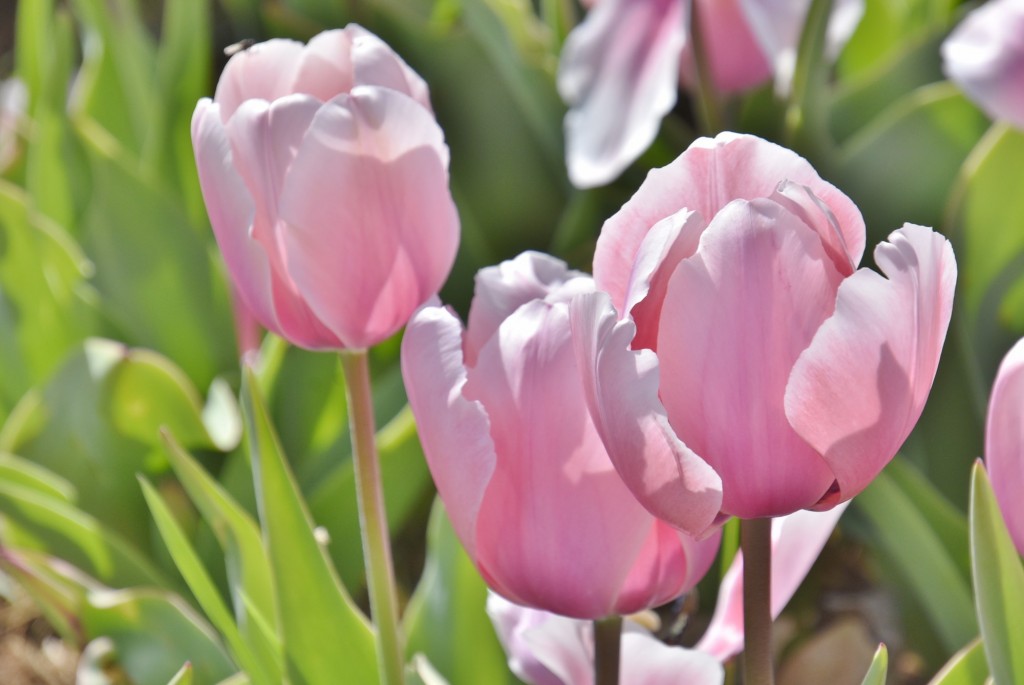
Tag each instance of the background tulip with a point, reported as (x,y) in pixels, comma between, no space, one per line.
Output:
(620,68)
(1004,441)
(795,377)
(326,179)
(985,57)
(517,462)
(544,649)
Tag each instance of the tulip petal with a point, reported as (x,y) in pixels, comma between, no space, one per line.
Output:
(621,389)
(648,661)
(985,57)
(1004,441)
(670,241)
(264,138)
(797,540)
(619,73)
(372,229)
(261,72)
(454,430)
(325,67)
(670,564)
(376,64)
(735,59)
(801,201)
(708,176)
(503,288)
(551,467)
(859,388)
(736,317)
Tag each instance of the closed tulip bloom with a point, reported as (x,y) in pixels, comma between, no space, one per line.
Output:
(544,649)
(985,57)
(738,330)
(1004,441)
(621,67)
(325,177)
(522,472)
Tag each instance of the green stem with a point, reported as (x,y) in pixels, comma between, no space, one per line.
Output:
(709,109)
(373,523)
(607,641)
(803,118)
(756,543)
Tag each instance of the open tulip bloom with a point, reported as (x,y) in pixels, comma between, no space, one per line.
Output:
(517,461)
(621,67)
(1004,441)
(738,363)
(326,179)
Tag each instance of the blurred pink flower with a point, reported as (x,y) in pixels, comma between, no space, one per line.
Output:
(985,57)
(1004,441)
(545,649)
(521,470)
(737,333)
(620,67)
(326,179)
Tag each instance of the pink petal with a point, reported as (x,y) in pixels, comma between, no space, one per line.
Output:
(264,139)
(708,176)
(454,431)
(1004,441)
(670,564)
(618,73)
(797,540)
(621,389)
(263,72)
(372,229)
(671,240)
(376,64)
(736,317)
(648,661)
(736,60)
(503,288)
(801,202)
(859,388)
(325,67)
(985,57)
(557,528)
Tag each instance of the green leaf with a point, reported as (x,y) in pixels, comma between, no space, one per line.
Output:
(446,618)
(18,471)
(183,676)
(887,26)
(879,667)
(881,169)
(96,421)
(248,570)
(998,583)
(154,633)
(966,667)
(321,629)
(262,666)
(907,537)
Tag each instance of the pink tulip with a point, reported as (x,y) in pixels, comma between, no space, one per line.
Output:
(1004,441)
(621,66)
(545,649)
(517,461)
(737,333)
(326,179)
(985,57)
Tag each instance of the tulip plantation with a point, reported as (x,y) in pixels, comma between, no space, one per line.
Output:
(485,342)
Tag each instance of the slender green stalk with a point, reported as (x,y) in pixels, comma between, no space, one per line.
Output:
(607,640)
(709,108)
(809,78)
(756,543)
(373,523)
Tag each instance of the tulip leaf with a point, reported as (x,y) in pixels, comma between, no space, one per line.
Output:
(881,166)
(183,676)
(966,667)
(998,583)
(991,256)
(96,421)
(446,618)
(322,632)
(154,633)
(238,535)
(906,536)
(888,26)
(18,471)
(261,665)
(879,667)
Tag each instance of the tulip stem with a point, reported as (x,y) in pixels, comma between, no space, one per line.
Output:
(373,523)
(756,543)
(607,639)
